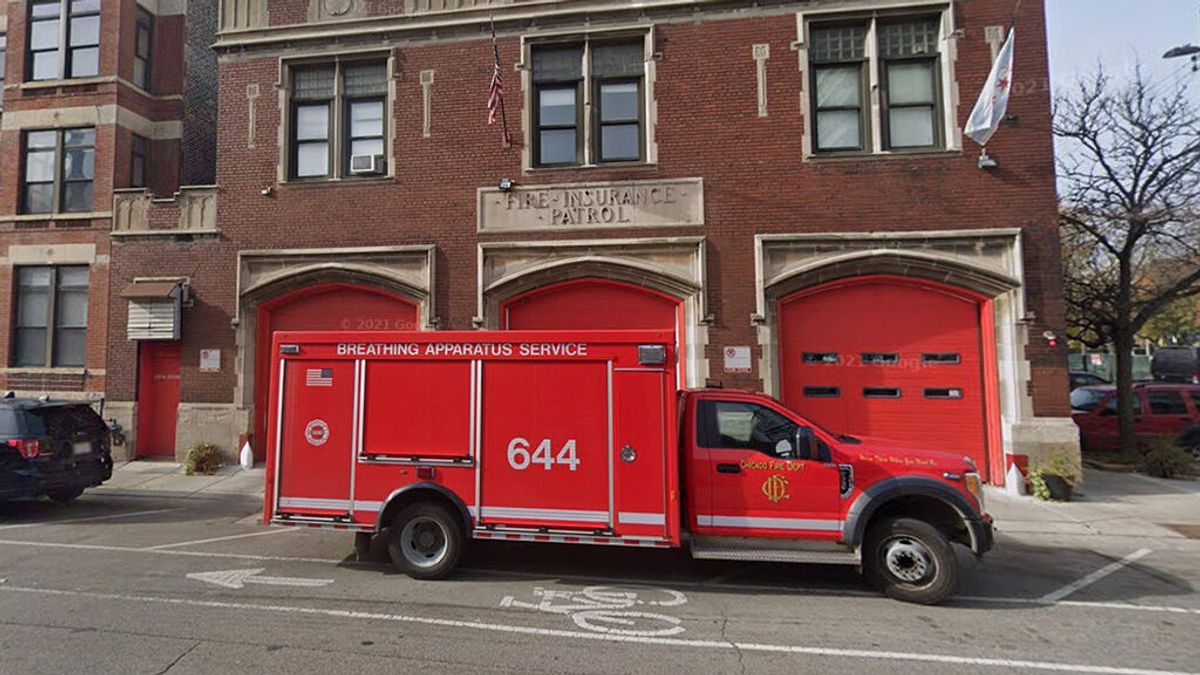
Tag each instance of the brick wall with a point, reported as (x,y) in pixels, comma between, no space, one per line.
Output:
(755,179)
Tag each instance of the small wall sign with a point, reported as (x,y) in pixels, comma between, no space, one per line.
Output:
(210,360)
(737,359)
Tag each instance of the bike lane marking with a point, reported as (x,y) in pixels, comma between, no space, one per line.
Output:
(862,654)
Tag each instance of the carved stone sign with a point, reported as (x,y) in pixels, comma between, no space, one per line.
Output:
(675,202)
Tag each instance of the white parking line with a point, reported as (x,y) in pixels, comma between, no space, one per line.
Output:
(1055,596)
(864,654)
(197,542)
(68,521)
(193,554)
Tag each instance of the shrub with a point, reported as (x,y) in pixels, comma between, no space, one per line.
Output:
(203,458)
(1058,464)
(1164,459)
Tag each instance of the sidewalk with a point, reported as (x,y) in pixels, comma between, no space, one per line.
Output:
(1113,504)
(152,476)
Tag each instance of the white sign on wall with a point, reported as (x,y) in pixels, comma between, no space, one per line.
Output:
(737,359)
(210,360)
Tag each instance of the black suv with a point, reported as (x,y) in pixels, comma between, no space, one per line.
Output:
(53,448)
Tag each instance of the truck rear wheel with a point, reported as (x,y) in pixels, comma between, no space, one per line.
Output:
(910,560)
(426,541)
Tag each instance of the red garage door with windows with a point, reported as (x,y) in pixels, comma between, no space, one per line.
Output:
(591,304)
(324,307)
(895,358)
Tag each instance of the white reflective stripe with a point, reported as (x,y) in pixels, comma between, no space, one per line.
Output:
(360,505)
(545,514)
(770,523)
(629,518)
(313,503)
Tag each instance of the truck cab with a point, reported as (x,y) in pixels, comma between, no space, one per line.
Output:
(763,483)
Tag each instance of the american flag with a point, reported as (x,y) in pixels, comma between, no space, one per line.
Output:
(318,377)
(495,102)
(496,90)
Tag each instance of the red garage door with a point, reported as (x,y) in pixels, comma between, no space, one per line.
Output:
(888,357)
(325,307)
(591,304)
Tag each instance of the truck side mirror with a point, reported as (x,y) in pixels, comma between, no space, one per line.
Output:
(804,442)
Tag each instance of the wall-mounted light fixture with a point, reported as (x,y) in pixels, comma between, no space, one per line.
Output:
(507,184)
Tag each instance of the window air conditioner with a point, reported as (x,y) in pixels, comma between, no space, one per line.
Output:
(366,165)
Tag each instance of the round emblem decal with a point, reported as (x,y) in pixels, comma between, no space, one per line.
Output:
(316,433)
(338,7)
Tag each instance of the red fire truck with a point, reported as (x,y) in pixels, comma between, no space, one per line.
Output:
(585,437)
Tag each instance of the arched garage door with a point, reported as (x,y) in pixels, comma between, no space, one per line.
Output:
(591,304)
(894,358)
(323,307)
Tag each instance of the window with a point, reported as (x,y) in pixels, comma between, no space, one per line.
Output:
(1166,403)
(143,48)
(1110,408)
(747,426)
(139,155)
(822,392)
(881,392)
(52,312)
(59,166)
(941,358)
(904,60)
(338,111)
(944,392)
(64,39)
(3,63)
(821,358)
(880,358)
(562,90)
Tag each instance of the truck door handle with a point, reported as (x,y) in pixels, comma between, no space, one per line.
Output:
(728,468)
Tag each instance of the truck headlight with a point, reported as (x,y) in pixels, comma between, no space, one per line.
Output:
(974,486)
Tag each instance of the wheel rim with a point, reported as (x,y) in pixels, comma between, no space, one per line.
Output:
(424,542)
(909,560)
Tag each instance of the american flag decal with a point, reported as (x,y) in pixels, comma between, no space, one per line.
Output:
(318,377)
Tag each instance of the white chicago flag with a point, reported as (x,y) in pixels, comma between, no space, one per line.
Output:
(993,100)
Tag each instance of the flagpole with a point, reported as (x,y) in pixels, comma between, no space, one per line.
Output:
(507,140)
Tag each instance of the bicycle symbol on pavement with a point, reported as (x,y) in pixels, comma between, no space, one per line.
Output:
(609,610)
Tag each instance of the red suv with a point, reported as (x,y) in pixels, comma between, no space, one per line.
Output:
(1161,411)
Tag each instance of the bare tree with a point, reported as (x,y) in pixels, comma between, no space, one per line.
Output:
(1129,182)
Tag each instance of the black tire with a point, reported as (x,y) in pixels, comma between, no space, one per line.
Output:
(65,495)
(1190,442)
(923,568)
(426,541)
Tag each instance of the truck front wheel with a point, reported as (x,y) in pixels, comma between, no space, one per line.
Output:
(426,541)
(910,560)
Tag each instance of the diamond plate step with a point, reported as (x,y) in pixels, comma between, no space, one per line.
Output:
(773,550)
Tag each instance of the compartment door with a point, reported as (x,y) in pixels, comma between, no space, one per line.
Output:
(317,436)
(545,460)
(641,448)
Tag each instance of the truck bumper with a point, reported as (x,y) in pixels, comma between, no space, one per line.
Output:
(982,534)
(24,480)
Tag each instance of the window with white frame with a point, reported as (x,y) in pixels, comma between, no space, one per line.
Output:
(567,77)
(902,55)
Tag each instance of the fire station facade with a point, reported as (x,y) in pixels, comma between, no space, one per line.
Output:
(784,184)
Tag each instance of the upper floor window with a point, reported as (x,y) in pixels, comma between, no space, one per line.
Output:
(51,316)
(3,63)
(138,161)
(58,172)
(563,88)
(64,39)
(143,48)
(901,54)
(338,112)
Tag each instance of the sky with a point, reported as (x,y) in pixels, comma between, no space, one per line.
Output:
(1117,33)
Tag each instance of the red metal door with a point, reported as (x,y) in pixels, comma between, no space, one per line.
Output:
(643,453)
(158,398)
(315,465)
(545,446)
(893,358)
(760,485)
(325,307)
(591,304)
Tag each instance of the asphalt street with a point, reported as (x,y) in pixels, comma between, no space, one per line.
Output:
(157,583)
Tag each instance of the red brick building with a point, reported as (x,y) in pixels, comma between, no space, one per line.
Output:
(94,101)
(785,184)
